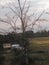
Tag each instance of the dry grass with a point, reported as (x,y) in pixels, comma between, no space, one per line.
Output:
(42,40)
(40,50)
(40,44)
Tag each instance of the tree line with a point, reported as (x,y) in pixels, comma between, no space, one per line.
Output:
(13,37)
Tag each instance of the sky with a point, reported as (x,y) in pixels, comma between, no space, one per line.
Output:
(37,6)
(35,3)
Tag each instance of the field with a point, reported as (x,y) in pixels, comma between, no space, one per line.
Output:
(41,44)
(39,53)
(40,50)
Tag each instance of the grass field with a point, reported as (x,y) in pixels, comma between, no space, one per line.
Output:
(41,40)
(40,50)
(40,44)
(39,53)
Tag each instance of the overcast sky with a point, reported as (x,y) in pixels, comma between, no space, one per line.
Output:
(36,6)
(35,3)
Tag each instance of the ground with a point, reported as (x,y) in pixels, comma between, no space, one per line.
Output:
(39,49)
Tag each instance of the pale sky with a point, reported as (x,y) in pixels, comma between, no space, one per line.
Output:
(35,3)
(36,6)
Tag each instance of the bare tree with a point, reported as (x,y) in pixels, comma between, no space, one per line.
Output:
(21,12)
(24,17)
